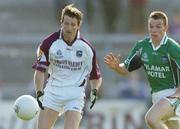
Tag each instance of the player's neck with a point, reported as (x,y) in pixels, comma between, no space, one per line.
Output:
(156,43)
(69,39)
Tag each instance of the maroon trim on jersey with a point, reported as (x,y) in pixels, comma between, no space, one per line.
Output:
(95,72)
(40,66)
(44,46)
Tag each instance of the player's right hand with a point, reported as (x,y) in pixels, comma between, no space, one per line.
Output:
(112,61)
(39,95)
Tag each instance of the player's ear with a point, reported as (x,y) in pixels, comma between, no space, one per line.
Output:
(80,23)
(166,28)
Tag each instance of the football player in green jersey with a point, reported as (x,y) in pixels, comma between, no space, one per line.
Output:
(160,57)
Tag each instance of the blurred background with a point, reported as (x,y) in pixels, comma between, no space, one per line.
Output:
(111,26)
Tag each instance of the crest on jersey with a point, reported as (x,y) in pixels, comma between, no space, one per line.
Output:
(164,59)
(79,53)
(58,54)
(145,57)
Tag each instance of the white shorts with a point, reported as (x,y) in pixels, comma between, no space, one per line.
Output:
(163,94)
(62,99)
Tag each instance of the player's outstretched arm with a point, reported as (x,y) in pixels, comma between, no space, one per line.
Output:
(113,62)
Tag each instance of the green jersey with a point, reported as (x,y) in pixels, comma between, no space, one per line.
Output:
(161,63)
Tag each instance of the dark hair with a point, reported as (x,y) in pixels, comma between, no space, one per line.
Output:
(72,11)
(159,15)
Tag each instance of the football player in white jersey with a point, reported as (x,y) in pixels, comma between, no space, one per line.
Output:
(70,61)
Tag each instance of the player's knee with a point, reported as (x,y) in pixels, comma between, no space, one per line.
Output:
(150,120)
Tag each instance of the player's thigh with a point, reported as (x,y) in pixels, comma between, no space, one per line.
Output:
(162,110)
(47,118)
(72,120)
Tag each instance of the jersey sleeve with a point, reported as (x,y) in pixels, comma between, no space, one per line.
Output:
(41,62)
(133,60)
(174,51)
(42,59)
(95,72)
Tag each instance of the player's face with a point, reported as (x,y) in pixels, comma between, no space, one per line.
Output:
(156,29)
(70,27)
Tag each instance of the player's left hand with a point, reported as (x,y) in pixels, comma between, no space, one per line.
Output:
(39,95)
(93,97)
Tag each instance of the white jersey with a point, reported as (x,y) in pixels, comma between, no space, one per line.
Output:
(67,65)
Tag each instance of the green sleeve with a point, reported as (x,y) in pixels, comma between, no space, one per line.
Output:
(133,61)
(174,51)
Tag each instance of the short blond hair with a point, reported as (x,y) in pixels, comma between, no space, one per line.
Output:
(159,15)
(72,11)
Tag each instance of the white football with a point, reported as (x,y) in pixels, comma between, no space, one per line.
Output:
(26,107)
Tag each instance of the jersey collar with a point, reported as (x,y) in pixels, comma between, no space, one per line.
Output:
(163,42)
